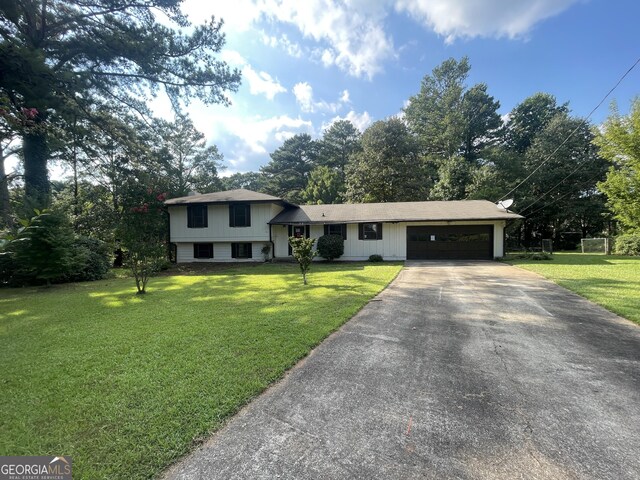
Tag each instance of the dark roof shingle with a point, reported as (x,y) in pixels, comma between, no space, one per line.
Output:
(394,212)
(238,195)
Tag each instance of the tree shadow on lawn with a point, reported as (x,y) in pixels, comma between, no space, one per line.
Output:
(226,289)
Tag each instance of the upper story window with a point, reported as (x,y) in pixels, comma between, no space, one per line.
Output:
(370,231)
(336,229)
(197,216)
(239,215)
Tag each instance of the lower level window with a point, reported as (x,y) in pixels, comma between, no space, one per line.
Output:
(203,250)
(241,250)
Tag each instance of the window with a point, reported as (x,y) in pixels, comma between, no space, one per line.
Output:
(239,215)
(197,216)
(370,231)
(203,250)
(336,229)
(241,250)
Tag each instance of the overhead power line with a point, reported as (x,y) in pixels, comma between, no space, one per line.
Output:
(586,182)
(580,125)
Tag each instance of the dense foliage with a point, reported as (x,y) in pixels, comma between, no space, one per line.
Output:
(44,249)
(619,143)
(628,244)
(331,246)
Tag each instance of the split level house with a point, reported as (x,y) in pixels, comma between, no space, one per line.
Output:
(237,224)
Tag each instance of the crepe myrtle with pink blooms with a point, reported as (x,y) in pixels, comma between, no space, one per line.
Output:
(143,233)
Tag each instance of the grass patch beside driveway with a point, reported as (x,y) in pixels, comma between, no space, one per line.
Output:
(124,382)
(608,280)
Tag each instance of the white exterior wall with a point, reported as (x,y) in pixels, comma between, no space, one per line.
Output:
(393,245)
(221,253)
(218,224)
(280,235)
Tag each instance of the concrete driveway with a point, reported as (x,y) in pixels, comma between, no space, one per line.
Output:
(457,370)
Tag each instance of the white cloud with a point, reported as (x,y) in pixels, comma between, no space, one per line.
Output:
(262,82)
(283,42)
(351,35)
(304,96)
(238,15)
(489,18)
(360,120)
(259,82)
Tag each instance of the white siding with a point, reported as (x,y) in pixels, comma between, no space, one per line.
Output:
(221,253)
(218,224)
(280,235)
(393,245)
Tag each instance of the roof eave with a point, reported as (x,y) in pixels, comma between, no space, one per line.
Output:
(398,220)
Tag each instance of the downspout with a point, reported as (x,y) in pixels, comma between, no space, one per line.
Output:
(273,245)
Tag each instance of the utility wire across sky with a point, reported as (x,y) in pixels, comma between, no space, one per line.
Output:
(580,125)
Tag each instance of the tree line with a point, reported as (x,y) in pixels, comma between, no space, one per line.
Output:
(450,143)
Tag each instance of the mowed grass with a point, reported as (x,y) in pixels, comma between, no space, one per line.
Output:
(125,383)
(611,281)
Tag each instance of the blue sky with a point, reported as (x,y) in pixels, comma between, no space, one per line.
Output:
(307,63)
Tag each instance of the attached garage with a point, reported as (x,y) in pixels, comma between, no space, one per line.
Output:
(450,242)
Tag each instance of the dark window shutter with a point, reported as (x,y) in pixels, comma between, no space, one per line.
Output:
(234,250)
(248,216)
(344,231)
(307,231)
(360,231)
(232,218)
(189,217)
(326,229)
(196,252)
(205,216)
(379,231)
(250,250)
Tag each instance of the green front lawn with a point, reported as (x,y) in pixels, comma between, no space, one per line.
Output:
(611,281)
(125,383)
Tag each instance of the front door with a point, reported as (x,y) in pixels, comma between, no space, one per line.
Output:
(298,231)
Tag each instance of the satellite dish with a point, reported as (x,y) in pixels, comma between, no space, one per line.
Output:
(505,204)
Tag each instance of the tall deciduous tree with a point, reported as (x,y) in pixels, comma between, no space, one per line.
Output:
(387,169)
(287,173)
(60,56)
(619,143)
(529,118)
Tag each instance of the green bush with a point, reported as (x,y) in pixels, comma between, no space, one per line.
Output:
(44,250)
(375,258)
(331,246)
(92,260)
(628,244)
(530,256)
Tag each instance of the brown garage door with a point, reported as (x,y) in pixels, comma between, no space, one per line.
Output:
(465,242)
